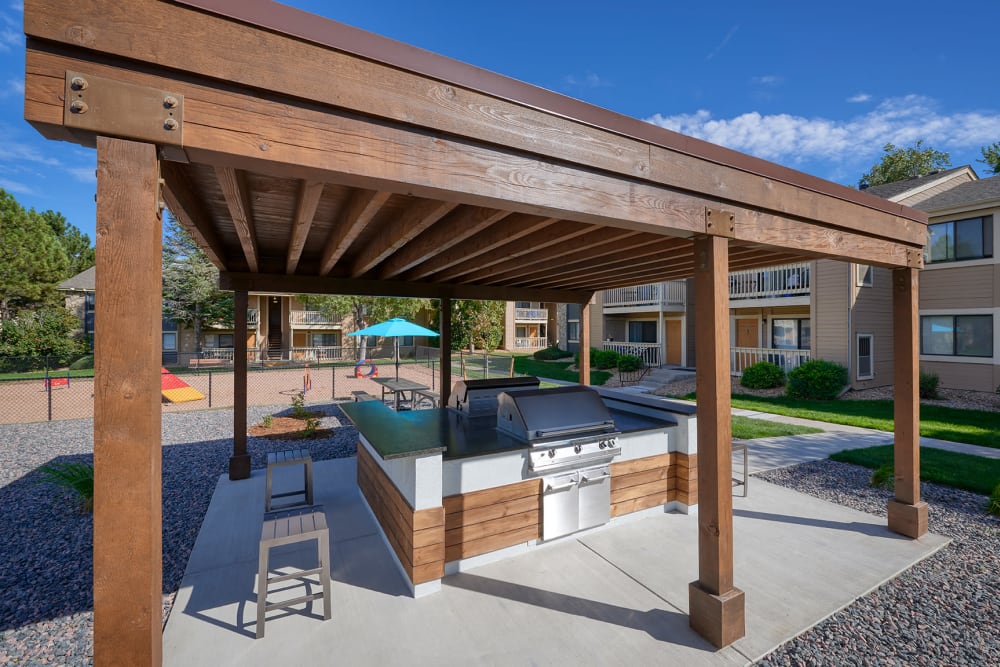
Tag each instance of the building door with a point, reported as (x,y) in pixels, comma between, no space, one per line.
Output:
(673,334)
(747,335)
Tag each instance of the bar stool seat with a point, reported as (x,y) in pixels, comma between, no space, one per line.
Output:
(289,527)
(289,457)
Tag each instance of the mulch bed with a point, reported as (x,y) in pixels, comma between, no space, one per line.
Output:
(290,428)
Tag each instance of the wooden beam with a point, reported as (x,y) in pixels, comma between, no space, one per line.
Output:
(716,606)
(270,282)
(464,224)
(585,314)
(657,254)
(183,200)
(234,189)
(907,514)
(516,227)
(306,203)
(239,462)
(359,211)
(445,343)
(418,216)
(555,235)
(160,32)
(128,551)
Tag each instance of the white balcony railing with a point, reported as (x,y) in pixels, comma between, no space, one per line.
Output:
(253,316)
(530,342)
(744,357)
(310,318)
(773,282)
(648,352)
(654,295)
(531,315)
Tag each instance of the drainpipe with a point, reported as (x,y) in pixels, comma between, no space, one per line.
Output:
(850,326)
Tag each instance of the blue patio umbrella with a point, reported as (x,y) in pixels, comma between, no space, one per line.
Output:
(395,328)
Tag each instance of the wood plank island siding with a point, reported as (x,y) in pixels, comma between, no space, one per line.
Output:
(482,521)
(653,480)
(416,537)
(301,140)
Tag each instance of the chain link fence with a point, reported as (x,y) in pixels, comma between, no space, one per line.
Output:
(57,391)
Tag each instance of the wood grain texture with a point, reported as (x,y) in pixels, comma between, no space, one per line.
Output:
(418,217)
(233,184)
(585,315)
(444,360)
(715,506)
(906,385)
(306,203)
(127,356)
(481,521)
(362,207)
(181,197)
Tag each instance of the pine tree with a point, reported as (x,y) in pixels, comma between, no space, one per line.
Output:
(32,260)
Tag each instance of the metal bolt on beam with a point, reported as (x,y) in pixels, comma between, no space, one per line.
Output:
(170,124)
(78,83)
(78,106)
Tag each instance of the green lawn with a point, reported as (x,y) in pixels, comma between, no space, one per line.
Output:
(556,370)
(40,375)
(962,471)
(747,428)
(975,427)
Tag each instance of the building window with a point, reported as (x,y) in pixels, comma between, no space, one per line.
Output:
(957,335)
(573,331)
(169,341)
(642,332)
(791,334)
(218,340)
(324,340)
(866,275)
(866,363)
(961,239)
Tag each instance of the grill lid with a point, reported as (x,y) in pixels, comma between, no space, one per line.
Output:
(547,414)
(479,397)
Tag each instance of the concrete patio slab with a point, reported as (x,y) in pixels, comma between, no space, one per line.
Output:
(617,595)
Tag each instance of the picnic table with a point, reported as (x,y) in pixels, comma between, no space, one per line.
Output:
(399,387)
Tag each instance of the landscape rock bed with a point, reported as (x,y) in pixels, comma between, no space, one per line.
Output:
(46,560)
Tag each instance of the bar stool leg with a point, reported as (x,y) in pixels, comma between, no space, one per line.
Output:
(262,567)
(324,561)
(307,472)
(267,491)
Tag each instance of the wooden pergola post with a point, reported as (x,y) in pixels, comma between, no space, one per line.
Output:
(239,462)
(585,343)
(128,549)
(444,321)
(716,606)
(907,514)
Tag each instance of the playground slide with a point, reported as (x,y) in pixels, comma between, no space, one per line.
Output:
(176,390)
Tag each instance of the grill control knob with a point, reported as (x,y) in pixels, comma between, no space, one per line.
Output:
(552,453)
(578,449)
(604,444)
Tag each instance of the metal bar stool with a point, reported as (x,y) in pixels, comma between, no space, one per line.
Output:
(287,528)
(290,457)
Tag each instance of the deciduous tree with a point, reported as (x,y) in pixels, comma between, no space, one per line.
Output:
(477,324)
(899,164)
(991,157)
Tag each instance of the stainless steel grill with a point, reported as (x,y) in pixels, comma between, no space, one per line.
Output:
(479,397)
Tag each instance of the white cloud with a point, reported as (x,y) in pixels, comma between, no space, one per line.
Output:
(83,174)
(725,40)
(795,139)
(13,88)
(860,97)
(18,6)
(16,188)
(10,40)
(768,80)
(589,80)
(22,152)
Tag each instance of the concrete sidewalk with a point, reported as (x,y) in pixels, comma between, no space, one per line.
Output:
(614,595)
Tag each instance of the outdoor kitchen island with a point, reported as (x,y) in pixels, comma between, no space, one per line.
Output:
(452,491)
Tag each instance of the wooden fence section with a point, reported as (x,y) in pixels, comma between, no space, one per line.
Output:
(652,481)
(482,521)
(417,537)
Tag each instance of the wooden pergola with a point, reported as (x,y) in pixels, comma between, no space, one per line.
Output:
(306,156)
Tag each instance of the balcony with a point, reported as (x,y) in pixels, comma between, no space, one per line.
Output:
(744,357)
(651,296)
(648,352)
(787,280)
(304,319)
(253,317)
(530,342)
(531,315)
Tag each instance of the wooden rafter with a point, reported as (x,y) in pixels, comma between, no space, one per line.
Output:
(685,269)
(418,217)
(467,222)
(306,203)
(234,189)
(182,199)
(359,211)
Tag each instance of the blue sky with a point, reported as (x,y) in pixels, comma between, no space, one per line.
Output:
(818,87)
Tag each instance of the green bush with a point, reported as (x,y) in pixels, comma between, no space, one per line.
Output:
(929,384)
(884,477)
(817,380)
(605,359)
(83,363)
(77,477)
(763,375)
(39,339)
(993,506)
(629,363)
(551,354)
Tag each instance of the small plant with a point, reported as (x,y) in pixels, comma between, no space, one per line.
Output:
(763,375)
(605,359)
(77,477)
(312,425)
(299,406)
(993,505)
(929,384)
(268,421)
(884,477)
(817,380)
(629,363)
(551,354)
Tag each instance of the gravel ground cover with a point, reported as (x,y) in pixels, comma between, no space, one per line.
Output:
(943,611)
(46,562)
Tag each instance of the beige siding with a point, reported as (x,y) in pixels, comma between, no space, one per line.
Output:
(830,298)
(872,314)
(945,184)
(977,377)
(960,287)
(689,335)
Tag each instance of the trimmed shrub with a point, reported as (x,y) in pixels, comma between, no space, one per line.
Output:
(593,354)
(993,506)
(929,384)
(629,363)
(763,375)
(83,363)
(551,354)
(605,359)
(816,380)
